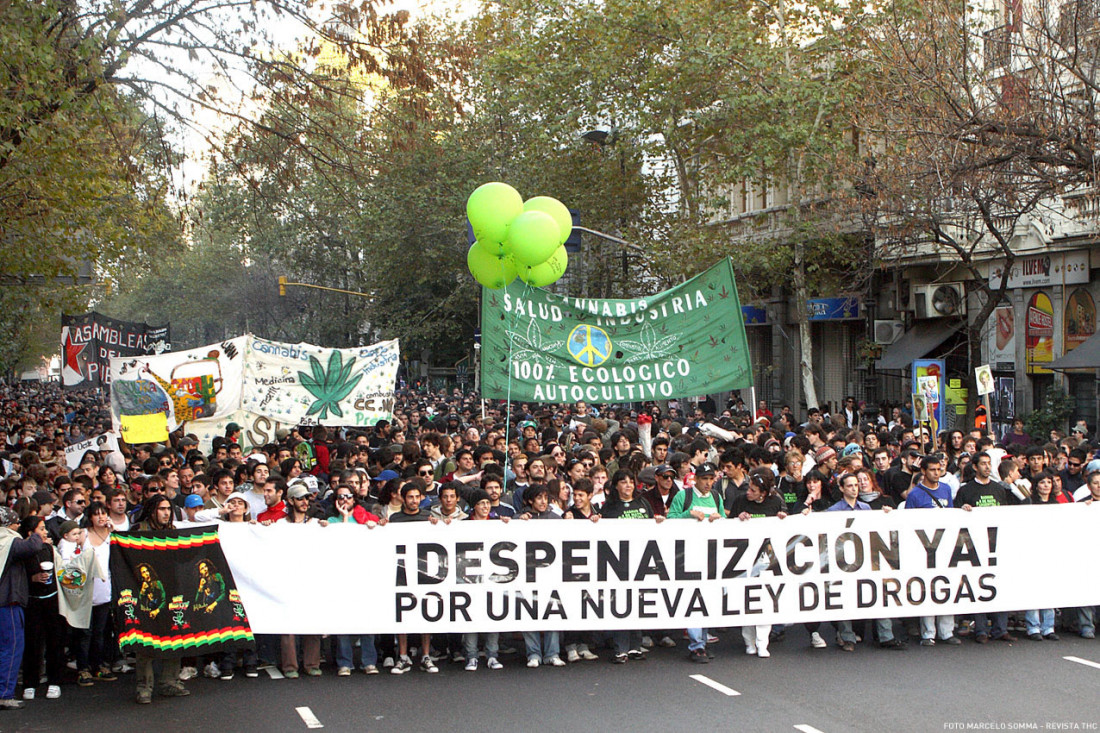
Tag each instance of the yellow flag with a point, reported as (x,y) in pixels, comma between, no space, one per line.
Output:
(144,428)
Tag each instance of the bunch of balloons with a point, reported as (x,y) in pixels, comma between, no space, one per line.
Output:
(516,238)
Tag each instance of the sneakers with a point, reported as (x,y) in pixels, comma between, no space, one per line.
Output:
(494,664)
(404,664)
(847,646)
(571,655)
(471,666)
(458,657)
(1052,637)
(123,668)
(84,678)
(952,641)
(711,638)
(636,654)
(226,675)
(699,656)
(291,674)
(533,663)
(586,654)
(928,642)
(894,644)
(28,694)
(619,659)
(427,665)
(176,690)
(981,638)
(186,673)
(369,669)
(750,649)
(817,642)
(211,670)
(252,671)
(343,672)
(52,692)
(764,653)
(1007,637)
(556,661)
(647,642)
(666,642)
(143,697)
(1088,634)
(387,662)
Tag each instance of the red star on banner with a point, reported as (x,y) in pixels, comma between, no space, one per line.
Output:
(72,351)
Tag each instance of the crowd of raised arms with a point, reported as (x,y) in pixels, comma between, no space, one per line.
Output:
(448,457)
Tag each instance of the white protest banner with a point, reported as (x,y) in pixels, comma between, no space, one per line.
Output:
(76,451)
(256,430)
(300,384)
(635,574)
(187,385)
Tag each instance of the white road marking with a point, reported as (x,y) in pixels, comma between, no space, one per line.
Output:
(1085,662)
(704,680)
(806,728)
(309,718)
(274,673)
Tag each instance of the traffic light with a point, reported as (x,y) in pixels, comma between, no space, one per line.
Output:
(282,285)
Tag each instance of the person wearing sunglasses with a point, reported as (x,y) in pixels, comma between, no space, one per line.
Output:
(73,502)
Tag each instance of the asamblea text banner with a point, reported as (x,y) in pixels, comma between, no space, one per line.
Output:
(302,384)
(636,574)
(544,347)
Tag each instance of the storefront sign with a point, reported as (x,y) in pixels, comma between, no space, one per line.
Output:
(1037,271)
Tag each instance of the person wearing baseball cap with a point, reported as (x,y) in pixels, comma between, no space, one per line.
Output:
(661,492)
(13,599)
(701,504)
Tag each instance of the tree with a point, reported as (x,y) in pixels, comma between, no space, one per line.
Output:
(969,148)
(702,96)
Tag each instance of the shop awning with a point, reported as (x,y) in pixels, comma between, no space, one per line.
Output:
(918,341)
(1085,356)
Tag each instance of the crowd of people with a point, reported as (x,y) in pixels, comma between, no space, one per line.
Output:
(450,457)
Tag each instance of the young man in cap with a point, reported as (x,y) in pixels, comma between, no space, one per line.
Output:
(662,490)
(701,504)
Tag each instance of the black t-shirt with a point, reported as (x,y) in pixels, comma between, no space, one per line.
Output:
(421,516)
(636,508)
(502,510)
(895,482)
(791,492)
(576,513)
(770,507)
(733,490)
(976,494)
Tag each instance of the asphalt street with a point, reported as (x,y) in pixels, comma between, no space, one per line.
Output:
(1026,685)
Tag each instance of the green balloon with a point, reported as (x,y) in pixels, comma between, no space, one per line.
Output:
(548,272)
(491,271)
(490,209)
(556,209)
(533,237)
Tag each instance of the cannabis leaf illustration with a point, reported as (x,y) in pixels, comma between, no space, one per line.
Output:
(648,346)
(531,344)
(329,387)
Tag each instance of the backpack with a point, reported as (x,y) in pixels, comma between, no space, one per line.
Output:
(689,497)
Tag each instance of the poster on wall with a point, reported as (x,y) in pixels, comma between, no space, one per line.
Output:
(1040,333)
(1002,339)
(1003,404)
(1079,320)
(928,381)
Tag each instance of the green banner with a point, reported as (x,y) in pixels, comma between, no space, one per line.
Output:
(545,347)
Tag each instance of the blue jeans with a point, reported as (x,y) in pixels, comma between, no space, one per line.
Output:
(11,649)
(697,639)
(542,645)
(991,624)
(1086,619)
(492,645)
(929,625)
(1040,622)
(345,650)
(624,641)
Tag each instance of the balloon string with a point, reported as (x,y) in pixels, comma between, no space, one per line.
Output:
(508,400)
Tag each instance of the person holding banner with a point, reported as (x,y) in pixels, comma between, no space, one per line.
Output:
(760,500)
(931,493)
(701,504)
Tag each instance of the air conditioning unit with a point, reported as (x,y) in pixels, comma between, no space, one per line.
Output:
(887,332)
(939,300)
